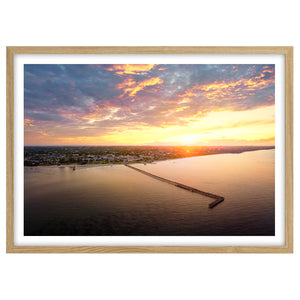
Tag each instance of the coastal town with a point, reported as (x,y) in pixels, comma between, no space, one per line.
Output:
(81,155)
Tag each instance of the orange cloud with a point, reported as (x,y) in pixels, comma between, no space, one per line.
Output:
(230,90)
(28,123)
(130,69)
(170,111)
(42,133)
(131,87)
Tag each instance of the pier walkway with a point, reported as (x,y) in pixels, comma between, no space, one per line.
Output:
(218,199)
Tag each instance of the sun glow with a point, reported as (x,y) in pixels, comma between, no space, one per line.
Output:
(222,127)
(185,139)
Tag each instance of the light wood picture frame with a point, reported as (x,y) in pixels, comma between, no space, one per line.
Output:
(12,52)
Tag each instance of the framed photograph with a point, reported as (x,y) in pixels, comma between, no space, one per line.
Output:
(149,149)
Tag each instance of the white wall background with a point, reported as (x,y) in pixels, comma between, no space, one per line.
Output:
(148,23)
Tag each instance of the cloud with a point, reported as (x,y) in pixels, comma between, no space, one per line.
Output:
(80,99)
(130,69)
(44,116)
(28,122)
(231,90)
(130,87)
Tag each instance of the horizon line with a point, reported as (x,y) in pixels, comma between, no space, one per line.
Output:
(149,145)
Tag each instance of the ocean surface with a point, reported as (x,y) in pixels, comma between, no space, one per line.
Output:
(118,201)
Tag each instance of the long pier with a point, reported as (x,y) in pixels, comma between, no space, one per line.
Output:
(218,199)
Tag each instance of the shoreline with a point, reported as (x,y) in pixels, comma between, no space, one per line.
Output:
(144,163)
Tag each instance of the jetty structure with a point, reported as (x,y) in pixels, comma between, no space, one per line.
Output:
(218,199)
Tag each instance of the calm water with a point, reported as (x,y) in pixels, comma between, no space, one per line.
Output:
(116,200)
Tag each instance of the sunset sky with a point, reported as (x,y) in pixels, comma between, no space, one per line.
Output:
(174,104)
